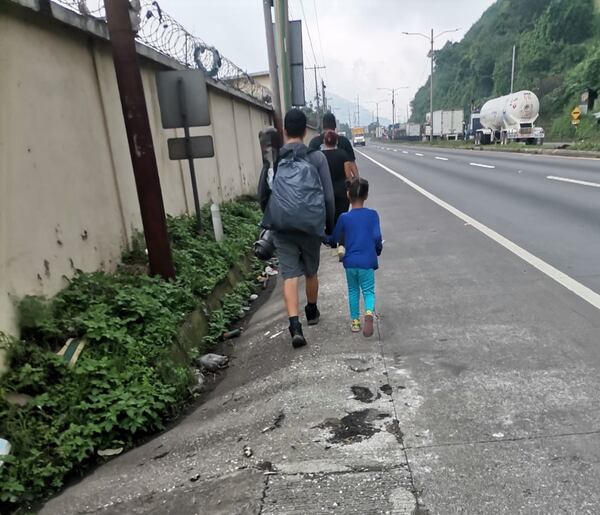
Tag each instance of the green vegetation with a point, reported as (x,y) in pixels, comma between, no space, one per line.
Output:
(558,57)
(126,383)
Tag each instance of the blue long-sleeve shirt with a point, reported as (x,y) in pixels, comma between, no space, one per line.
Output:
(362,238)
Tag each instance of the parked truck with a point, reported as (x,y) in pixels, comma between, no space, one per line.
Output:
(510,118)
(358,136)
(413,130)
(447,124)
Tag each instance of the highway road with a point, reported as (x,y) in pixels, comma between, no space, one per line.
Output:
(550,206)
(489,323)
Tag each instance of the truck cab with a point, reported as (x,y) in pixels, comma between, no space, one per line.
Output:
(358,136)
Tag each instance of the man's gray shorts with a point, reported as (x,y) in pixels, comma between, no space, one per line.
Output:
(299,254)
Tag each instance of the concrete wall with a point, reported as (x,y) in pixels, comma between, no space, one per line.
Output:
(67,195)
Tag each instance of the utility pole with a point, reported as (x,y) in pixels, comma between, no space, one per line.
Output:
(393,90)
(319,114)
(273,72)
(431,39)
(376,102)
(281,29)
(357,111)
(512,75)
(323,88)
(139,137)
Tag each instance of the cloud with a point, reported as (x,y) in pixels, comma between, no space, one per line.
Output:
(362,41)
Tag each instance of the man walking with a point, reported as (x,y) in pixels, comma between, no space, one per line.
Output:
(329,123)
(300,211)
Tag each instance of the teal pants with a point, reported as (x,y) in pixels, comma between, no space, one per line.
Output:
(360,280)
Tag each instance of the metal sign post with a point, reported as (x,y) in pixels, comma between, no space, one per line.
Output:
(183,100)
(188,150)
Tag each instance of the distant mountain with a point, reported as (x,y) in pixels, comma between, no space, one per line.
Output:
(558,57)
(344,108)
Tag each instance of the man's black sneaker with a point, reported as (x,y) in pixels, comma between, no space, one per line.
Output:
(312,314)
(298,339)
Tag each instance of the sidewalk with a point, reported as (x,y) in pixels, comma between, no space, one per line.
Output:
(480,395)
(320,422)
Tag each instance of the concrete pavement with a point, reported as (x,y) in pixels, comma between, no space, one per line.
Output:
(479,394)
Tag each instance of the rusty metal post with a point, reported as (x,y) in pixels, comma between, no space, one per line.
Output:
(141,148)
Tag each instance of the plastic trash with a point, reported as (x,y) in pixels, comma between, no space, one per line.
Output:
(235,333)
(269,270)
(5,448)
(213,362)
(253,297)
(110,452)
(18,399)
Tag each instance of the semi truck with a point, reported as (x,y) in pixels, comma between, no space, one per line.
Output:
(447,124)
(358,136)
(510,118)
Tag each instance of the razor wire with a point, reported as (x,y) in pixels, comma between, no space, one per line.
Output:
(158,30)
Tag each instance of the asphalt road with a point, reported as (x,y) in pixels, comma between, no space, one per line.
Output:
(530,199)
(494,362)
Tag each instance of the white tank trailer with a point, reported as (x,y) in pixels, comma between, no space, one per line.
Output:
(510,118)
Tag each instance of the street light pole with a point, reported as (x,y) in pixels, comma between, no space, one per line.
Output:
(431,93)
(393,90)
(376,102)
(431,39)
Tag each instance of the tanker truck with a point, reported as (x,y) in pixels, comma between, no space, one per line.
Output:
(510,118)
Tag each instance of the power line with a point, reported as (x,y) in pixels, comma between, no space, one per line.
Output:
(308,32)
(320,40)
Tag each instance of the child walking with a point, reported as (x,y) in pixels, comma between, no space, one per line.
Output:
(362,234)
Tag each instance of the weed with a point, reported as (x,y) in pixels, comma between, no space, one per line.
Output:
(125,384)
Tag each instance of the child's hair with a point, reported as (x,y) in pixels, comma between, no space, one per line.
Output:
(330,138)
(358,189)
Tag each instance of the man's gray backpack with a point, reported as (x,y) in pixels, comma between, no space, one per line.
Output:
(297,201)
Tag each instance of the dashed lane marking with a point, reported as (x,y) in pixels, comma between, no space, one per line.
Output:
(441,158)
(482,166)
(563,279)
(574,181)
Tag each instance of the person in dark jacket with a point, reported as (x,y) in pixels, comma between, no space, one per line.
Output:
(329,124)
(299,252)
(341,170)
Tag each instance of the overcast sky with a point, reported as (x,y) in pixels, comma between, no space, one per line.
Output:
(360,42)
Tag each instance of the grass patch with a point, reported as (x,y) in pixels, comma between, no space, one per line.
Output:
(126,384)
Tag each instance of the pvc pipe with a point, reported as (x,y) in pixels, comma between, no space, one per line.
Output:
(217,223)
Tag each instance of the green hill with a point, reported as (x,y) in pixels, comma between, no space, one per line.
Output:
(558,57)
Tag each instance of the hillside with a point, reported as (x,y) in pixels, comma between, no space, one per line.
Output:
(558,56)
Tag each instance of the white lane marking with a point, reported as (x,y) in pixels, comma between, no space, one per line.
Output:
(441,158)
(574,181)
(417,154)
(405,152)
(482,166)
(395,150)
(563,279)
